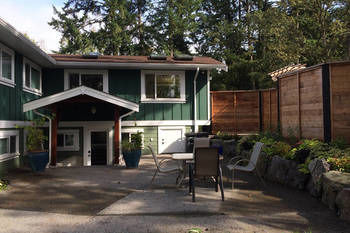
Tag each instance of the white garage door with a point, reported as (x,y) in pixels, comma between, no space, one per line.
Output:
(171,139)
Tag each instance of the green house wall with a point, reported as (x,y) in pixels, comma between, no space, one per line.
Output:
(13,98)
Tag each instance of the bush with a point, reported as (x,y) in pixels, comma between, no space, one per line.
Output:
(340,164)
(339,143)
(227,136)
(134,144)
(246,143)
(3,184)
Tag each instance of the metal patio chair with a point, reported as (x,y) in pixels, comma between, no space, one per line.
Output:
(250,167)
(206,164)
(162,166)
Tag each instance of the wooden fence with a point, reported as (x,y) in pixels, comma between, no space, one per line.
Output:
(310,103)
(244,111)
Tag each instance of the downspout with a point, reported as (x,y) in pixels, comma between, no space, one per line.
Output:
(195,101)
(120,130)
(47,117)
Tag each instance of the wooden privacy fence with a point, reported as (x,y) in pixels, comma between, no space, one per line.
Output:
(310,103)
(244,111)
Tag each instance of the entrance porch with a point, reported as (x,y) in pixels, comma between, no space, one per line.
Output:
(96,114)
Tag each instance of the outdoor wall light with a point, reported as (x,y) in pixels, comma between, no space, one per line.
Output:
(93,109)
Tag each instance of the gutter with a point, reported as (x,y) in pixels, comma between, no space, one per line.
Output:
(120,130)
(50,130)
(195,101)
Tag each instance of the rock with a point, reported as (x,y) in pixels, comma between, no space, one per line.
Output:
(333,182)
(317,167)
(286,172)
(342,202)
(278,170)
(301,155)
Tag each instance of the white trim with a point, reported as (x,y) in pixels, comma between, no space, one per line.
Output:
(76,142)
(153,66)
(182,128)
(14,124)
(165,123)
(7,134)
(82,90)
(87,143)
(181,74)
(3,80)
(209,97)
(86,71)
(35,66)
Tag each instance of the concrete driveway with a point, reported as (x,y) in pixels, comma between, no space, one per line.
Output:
(115,199)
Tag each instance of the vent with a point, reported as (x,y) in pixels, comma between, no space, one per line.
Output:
(92,55)
(157,57)
(183,57)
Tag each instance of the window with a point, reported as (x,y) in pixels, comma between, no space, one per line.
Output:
(97,80)
(31,77)
(68,140)
(9,145)
(126,134)
(7,66)
(163,86)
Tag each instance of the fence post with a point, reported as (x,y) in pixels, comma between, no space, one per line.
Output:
(327,135)
(260,113)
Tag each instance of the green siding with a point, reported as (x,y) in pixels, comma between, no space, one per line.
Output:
(125,84)
(202,97)
(53,81)
(13,98)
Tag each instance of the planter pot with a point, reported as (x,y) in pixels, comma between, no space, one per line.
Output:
(132,158)
(38,160)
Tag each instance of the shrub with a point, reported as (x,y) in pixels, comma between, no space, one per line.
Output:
(227,136)
(3,184)
(246,143)
(339,143)
(134,144)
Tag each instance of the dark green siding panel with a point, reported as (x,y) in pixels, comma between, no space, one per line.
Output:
(125,84)
(158,112)
(177,112)
(4,102)
(149,112)
(168,111)
(202,96)
(53,81)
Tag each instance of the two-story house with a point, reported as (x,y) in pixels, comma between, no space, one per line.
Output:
(98,100)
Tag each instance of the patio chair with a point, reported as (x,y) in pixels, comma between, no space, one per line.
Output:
(162,166)
(206,164)
(200,143)
(250,167)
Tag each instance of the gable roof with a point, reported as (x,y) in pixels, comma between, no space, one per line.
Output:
(82,90)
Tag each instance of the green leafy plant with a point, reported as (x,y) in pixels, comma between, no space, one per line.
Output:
(195,230)
(3,184)
(246,143)
(35,135)
(227,136)
(134,144)
(339,143)
(304,167)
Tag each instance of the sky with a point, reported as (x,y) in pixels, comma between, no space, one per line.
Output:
(31,17)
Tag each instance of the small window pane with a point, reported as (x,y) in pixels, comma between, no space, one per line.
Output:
(60,140)
(6,65)
(69,140)
(27,75)
(35,83)
(149,83)
(73,80)
(4,145)
(13,144)
(168,86)
(94,81)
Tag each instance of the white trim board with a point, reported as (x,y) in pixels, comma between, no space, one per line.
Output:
(165,123)
(82,90)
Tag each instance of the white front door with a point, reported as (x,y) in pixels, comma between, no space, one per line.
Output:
(171,139)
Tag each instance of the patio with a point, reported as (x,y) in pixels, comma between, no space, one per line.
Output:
(112,199)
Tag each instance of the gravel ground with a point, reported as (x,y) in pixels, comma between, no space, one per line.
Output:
(115,199)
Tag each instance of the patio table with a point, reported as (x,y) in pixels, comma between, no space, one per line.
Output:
(183,159)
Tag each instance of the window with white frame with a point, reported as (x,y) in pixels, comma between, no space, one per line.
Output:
(9,144)
(126,134)
(68,140)
(96,79)
(163,86)
(7,66)
(31,77)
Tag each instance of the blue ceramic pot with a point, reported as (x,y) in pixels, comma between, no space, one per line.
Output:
(132,158)
(38,160)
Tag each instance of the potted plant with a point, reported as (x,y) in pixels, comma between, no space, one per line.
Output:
(132,150)
(38,157)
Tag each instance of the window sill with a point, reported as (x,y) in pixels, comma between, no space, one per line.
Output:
(6,157)
(7,82)
(177,101)
(32,91)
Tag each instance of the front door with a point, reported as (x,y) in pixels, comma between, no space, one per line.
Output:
(98,147)
(171,139)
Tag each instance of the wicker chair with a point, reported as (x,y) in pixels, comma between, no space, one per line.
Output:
(206,164)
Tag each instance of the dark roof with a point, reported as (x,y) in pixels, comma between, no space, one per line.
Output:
(133,59)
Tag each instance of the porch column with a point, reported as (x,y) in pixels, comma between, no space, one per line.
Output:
(54,126)
(116,135)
